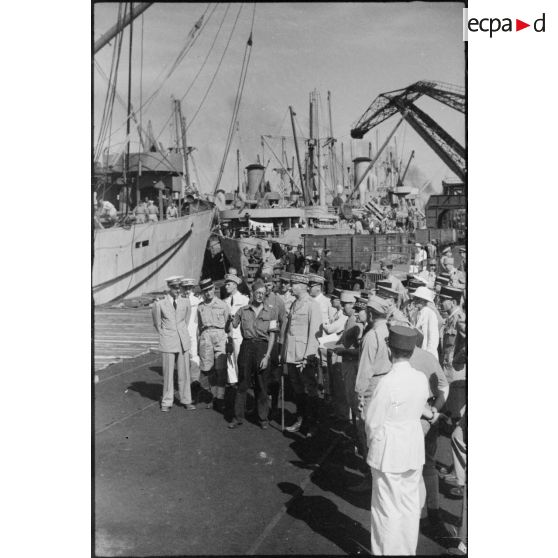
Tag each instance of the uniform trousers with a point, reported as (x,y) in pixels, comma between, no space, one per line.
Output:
(395,512)
(304,382)
(429,471)
(349,370)
(251,354)
(183,372)
(213,361)
(337,386)
(459,451)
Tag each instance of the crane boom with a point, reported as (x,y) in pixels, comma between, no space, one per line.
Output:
(402,101)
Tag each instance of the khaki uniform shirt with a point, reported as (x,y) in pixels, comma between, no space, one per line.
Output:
(301,330)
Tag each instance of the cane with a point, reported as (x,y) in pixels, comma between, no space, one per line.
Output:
(282,403)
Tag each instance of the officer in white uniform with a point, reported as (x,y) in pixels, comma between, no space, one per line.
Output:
(396,453)
(235,300)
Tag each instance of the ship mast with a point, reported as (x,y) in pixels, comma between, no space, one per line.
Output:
(306,200)
(125,190)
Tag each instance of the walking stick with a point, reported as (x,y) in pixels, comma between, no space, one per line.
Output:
(282,403)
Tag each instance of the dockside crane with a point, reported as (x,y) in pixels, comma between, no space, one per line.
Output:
(403,101)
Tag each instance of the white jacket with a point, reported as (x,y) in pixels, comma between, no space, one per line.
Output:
(427,324)
(392,420)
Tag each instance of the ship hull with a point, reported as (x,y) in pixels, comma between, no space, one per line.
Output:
(134,261)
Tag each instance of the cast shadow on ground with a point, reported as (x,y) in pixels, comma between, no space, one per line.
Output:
(325,519)
(147,390)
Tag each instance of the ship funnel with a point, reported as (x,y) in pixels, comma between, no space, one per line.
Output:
(255,178)
(360,166)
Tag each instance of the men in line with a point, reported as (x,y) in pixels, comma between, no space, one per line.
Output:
(300,348)
(258,325)
(213,316)
(170,318)
(396,454)
(235,301)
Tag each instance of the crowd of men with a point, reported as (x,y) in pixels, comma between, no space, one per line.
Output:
(376,366)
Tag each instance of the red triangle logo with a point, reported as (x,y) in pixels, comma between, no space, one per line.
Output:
(519,25)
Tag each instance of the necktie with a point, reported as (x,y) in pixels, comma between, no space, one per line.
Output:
(174,303)
(232,302)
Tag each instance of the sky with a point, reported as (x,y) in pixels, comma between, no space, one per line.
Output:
(354,50)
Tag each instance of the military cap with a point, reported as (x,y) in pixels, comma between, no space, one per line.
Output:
(314,279)
(285,277)
(463,250)
(347,297)
(229,277)
(266,277)
(449,261)
(174,280)
(336,293)
(418,244)
(402,337)
(206,284)
(414,283)
(420,280)
(360,303)
(424,293)
(299,278)
(446,250)
(377,304)
(278,266)
(386,292)
(187,282)
(448,292)
(385,284)
(443,279)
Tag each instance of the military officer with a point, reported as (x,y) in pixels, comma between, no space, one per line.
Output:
(429,274)
(300,349)
(187,291)
(457,278)
(445,255)
(258,324)
(213,316)
(396,455)
(450,298)
(315,289)
(387,270)
(170,318)
(285,290)
(391,298)
(235,300)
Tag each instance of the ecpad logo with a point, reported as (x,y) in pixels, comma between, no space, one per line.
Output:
(494,24)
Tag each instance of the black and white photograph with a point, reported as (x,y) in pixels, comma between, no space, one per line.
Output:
(279,279)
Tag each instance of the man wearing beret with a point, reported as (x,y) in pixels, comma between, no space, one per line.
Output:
(235,301)
(170,318)
(300,349)
(213,317)
(396,454)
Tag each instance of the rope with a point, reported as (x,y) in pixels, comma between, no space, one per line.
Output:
(201,67)
(216,71)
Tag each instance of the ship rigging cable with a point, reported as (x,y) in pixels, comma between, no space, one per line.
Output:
(191,39)
(216,70)
(240,89)
(106,119)
(199,71)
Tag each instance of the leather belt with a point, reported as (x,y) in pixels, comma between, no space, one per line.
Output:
(211,327)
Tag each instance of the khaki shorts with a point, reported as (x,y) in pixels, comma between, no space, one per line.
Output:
(212,350)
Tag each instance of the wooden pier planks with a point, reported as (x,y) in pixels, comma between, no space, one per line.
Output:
(121,334)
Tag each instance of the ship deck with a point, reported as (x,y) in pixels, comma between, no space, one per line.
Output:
(182,483)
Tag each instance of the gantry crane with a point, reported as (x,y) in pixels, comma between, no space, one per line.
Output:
(402,100)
